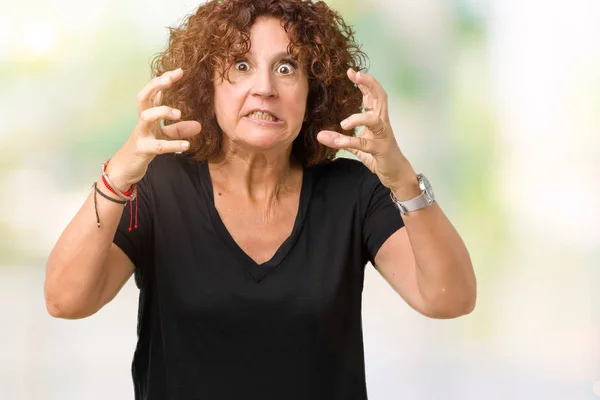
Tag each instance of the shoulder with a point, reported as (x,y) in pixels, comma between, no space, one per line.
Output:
(166,167)
(342,168)
(345,178)
(345,171)
(169,173)
(170,162)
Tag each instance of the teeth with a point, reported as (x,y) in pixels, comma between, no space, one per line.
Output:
(262,115)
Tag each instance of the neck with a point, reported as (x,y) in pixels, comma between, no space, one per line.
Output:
(257,175)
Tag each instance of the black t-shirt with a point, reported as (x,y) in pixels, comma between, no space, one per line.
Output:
(213,324)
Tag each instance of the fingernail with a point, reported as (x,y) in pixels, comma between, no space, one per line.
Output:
(357,74)
(176,112)
(344,123)
(185,145)
(341,141)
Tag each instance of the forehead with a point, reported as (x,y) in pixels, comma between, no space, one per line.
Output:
(268,35)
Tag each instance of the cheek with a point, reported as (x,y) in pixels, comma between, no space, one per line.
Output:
(300,105)
(296,101)
(224,105)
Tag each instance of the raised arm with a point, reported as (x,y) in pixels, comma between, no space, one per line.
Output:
(85,269)
(426,262)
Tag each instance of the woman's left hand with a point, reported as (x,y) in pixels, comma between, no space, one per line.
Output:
(376,147)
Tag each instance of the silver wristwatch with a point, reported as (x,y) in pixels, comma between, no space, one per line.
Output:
(425,199)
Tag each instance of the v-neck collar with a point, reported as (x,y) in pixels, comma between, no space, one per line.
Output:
(258,271)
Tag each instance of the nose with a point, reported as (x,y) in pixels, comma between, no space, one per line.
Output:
(263,84)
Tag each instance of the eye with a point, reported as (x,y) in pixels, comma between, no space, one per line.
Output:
(286,68)
(242,66)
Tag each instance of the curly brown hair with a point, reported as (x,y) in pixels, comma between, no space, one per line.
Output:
(207,42)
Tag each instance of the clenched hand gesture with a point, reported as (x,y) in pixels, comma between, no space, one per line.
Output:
(149,137)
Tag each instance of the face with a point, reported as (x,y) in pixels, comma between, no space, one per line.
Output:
(262,105)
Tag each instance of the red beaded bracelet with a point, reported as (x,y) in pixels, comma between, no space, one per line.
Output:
(130,195)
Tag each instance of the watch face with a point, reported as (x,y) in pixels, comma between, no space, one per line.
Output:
(426,186)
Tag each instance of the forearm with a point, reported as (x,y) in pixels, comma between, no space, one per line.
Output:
(443,271)
(75,268)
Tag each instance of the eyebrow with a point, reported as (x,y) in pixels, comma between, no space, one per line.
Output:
(283,54)
(277,56)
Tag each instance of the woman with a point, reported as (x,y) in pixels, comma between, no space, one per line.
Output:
(249,248)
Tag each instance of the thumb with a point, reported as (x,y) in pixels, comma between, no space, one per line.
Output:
(182,130)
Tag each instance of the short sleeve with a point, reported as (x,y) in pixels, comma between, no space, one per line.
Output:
(137,242)
(382,218)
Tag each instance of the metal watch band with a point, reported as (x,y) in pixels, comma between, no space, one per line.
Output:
(425,199)
(414,204)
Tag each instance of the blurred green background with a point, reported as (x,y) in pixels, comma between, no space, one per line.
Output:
(498,102)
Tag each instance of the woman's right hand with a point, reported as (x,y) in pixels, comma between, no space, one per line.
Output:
(149,138)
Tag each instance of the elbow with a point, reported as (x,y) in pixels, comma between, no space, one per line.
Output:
(58,310)
(452,300)
(62,310)
(446,306)
(68,298)
(466,307)
(66,307)
(55,310)
(449,311)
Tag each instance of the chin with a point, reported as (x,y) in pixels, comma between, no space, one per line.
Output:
(260,142)
(262,139)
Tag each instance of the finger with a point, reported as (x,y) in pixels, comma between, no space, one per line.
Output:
(370,120)
(368,98)
(367,84)
(155,114)
(157,99)
(336,140)
(152,146)
(182,129)
(374,96)
(365,158)
(158,83)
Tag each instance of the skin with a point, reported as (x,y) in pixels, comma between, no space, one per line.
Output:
(426,263)
(266,79)
(257,186)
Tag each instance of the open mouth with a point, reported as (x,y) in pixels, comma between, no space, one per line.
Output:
(263,116)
